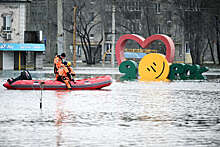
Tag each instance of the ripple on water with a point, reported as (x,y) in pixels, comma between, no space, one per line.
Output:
(123,114)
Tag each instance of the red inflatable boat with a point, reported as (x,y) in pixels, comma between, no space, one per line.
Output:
(84,84)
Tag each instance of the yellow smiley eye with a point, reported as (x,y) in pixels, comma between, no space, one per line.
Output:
(153,67)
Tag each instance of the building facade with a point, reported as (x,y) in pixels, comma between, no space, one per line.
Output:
(14,47)
(143,17)
(42,16)
(146,18)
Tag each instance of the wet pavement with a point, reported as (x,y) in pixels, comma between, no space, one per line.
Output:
(181,113)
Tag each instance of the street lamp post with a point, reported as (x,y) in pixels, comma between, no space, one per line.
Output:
(217,37)
(113,34)
(74,36)
(59,27)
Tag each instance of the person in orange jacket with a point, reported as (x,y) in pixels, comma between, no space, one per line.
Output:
(58,62)
(65,74)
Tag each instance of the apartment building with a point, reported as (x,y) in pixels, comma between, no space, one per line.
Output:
(17,44)
(143,17)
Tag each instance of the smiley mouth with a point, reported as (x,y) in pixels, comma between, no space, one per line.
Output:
(161,71)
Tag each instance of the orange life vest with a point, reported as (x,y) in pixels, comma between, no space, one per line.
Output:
(63,76)
(70,69)
(62,71)
(57,63)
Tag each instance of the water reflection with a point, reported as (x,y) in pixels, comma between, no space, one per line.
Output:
(60,115)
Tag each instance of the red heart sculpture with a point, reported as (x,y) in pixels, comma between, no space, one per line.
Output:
(144,43)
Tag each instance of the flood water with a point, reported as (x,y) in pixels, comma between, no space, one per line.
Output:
(123,114)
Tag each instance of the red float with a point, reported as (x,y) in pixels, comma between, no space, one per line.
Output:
(144,43)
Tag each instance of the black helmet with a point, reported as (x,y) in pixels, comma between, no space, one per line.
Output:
(63,55)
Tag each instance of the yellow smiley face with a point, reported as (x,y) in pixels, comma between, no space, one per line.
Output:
(153,67)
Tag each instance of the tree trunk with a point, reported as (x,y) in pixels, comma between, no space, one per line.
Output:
(197,48)
(217,40)
(211,49)
(204,51)
(84,49)
(192,48)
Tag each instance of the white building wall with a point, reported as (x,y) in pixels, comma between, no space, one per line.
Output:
(22,22)
(39,60)
(17,11)
(8,60)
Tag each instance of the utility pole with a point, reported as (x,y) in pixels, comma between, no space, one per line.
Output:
(60,36)
(113,34)
(217,39)
(103,44)
(74,36)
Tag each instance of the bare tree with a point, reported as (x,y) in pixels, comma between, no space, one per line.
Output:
(87,21)
(148,22)
(214,21)
(217,38)
(143,18)
(136,17)
(195,16)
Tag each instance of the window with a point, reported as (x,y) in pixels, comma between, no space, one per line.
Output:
(92,36)
(92,2)
(137,6)
(78,51)
(157,8)
(126,6)
(92,16)
(7,23)
(108,47)
(187,49)
(158,28)
(137,27)
(169,15)
(138,15)
(132,6)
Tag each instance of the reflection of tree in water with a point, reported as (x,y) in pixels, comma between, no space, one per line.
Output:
(60,115)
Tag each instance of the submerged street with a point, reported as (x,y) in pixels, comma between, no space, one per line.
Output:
(103,51)
(123,114)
